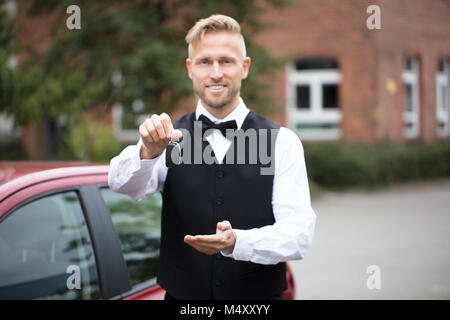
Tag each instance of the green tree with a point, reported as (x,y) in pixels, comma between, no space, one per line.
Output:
(8,46)
(140,40)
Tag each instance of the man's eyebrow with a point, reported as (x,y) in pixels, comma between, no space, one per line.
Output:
(228,58)
(200,58)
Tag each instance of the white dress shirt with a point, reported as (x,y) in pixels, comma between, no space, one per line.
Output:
(289,238)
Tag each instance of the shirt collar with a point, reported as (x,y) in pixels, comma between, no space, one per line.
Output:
(238,114)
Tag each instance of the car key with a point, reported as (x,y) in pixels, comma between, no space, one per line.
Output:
(173,154)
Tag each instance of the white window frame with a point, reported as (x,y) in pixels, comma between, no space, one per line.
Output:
(124,135)
(7,128)
(11,7)
(411,77)
(443,107)
(316,114)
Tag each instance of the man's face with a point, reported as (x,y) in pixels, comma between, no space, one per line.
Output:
(216,66)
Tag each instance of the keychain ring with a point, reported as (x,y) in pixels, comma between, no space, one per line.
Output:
(177,146)
(179,152)
(170,139)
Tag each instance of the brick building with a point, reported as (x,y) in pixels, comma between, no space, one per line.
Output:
(347,81)
(343,80)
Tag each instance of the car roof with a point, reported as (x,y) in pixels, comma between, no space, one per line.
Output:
(17,175)
(10,170)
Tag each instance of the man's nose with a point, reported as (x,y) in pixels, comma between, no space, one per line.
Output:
(216,72)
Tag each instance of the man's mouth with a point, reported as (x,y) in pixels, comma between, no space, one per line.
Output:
(216,87)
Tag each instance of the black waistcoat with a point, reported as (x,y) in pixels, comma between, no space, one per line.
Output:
(195,198)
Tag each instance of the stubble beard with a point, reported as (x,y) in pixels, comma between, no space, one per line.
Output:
(218,104)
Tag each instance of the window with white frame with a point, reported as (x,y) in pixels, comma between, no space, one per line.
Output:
(411,112)
(313,98)
(126,121)
(10,6)
(442,99)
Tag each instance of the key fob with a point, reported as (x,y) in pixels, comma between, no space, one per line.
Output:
(173,155)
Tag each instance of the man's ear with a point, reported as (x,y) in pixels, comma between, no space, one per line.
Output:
(246,67)
(188,67)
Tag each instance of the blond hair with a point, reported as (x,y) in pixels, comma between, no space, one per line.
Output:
(216,22)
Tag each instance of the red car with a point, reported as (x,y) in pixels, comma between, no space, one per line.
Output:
(65,235)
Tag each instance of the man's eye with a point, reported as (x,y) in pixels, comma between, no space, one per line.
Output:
(204,62)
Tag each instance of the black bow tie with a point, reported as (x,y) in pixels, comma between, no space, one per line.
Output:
(223,126)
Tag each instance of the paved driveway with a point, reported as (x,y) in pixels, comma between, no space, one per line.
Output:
(403,230)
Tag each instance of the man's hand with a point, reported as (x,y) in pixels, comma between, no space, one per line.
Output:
(156,132)
(223,240)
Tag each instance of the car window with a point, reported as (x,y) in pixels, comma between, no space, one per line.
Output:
(46,251)
(138,225)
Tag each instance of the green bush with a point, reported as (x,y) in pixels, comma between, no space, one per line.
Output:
(12,150)
(314,189)
(340,165)
(103,145)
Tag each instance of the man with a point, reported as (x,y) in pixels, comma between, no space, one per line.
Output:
(227,229)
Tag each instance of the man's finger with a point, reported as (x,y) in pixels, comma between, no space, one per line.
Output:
(211,238)
(159,127)
(203,247)
(145,135)
(167,124)
(215,241)
(224,225)
(151,130)
(176,135)
(200,239)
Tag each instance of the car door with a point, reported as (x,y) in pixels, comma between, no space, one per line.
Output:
(46,250)
(57,241)
(138,226)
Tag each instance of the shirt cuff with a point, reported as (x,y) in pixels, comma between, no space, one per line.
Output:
(242,249)
(146,163)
